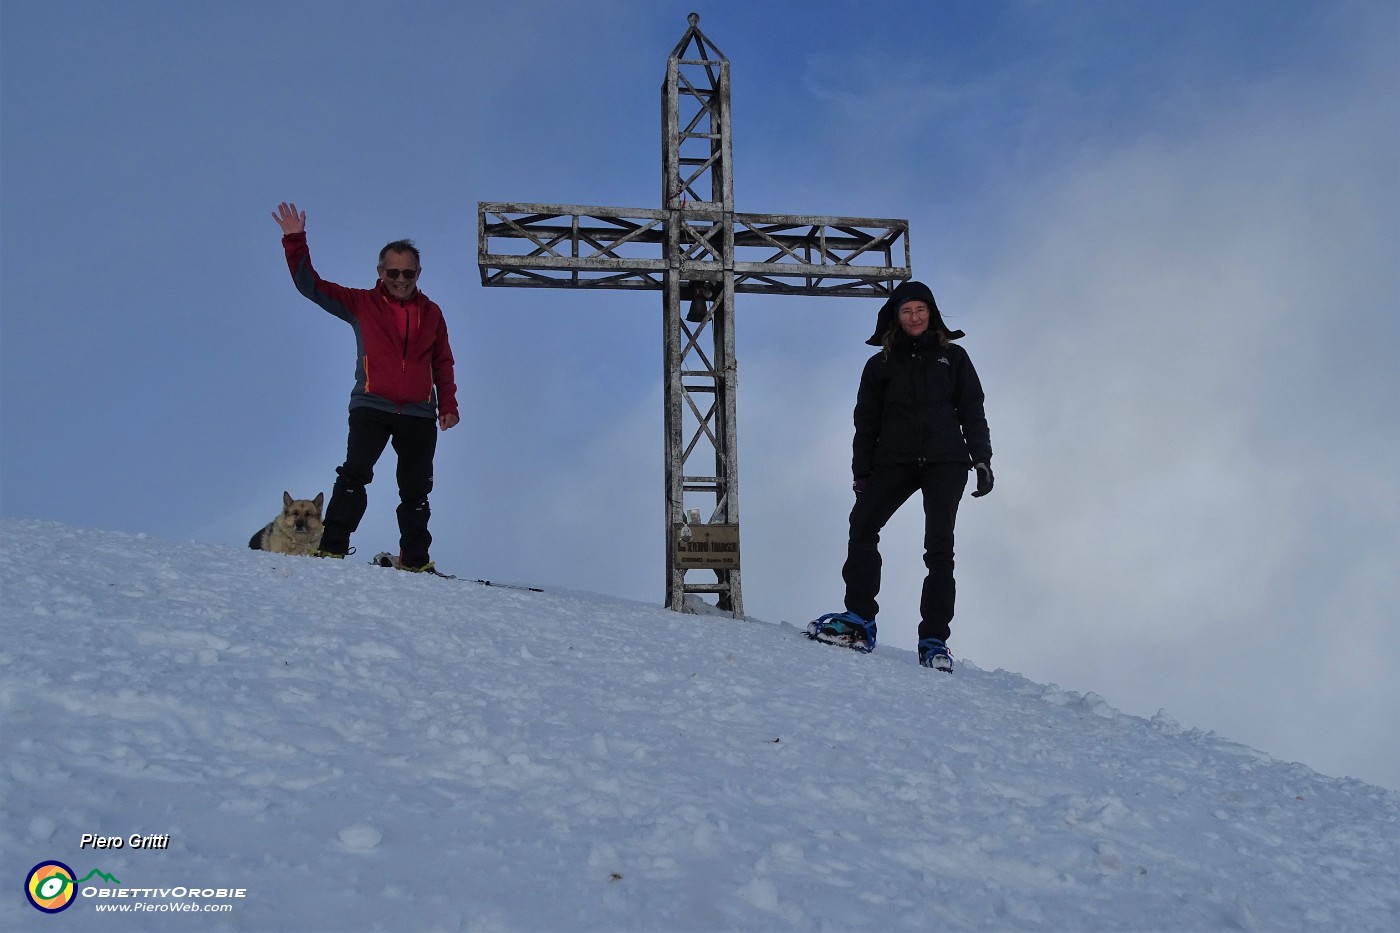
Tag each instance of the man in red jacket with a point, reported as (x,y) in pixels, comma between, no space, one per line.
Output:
(404,389)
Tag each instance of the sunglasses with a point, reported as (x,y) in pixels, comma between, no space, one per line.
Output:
(408,274)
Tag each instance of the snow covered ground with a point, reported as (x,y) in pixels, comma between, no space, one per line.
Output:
(358,748)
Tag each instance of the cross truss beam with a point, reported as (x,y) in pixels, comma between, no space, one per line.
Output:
(576,246)
(699,253)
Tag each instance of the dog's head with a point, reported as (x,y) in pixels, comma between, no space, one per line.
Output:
(301,516)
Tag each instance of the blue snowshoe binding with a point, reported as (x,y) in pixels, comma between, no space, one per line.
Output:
(845,629)
(935,654)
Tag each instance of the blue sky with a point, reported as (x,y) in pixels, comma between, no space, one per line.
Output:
(1169,230)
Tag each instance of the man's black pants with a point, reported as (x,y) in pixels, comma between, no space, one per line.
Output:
(415,442)
(889,487)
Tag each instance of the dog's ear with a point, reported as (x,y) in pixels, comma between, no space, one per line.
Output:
(320,498)
(286,499)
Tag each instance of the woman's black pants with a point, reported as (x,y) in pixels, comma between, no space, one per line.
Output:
(889,487)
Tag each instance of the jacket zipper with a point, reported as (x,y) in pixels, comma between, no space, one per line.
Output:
(919,405)
(403,361)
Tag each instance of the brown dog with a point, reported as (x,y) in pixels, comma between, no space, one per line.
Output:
(296,531)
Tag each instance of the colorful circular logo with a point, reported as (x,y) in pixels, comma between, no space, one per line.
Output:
(50,887)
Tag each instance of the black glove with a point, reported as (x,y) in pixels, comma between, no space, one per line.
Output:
(984,479)
(859,484)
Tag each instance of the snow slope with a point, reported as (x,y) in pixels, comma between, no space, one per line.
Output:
(358,748)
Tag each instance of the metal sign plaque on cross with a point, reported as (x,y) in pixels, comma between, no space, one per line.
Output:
(699,253)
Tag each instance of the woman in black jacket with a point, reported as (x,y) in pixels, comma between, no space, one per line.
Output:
(920,427)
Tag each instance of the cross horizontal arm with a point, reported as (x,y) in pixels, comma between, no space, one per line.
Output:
(578,246)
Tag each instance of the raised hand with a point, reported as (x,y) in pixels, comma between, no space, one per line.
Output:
(288,219)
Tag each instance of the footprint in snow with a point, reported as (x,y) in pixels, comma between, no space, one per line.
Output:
(360,838)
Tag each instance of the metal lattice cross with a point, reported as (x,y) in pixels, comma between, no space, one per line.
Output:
(699,253)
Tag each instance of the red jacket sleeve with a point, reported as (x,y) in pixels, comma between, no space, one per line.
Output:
(444,373)
(334,298)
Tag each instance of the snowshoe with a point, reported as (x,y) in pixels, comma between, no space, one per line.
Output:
(385,559)
(935,654)
(845,629)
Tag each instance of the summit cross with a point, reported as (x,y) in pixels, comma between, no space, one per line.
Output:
(699,253)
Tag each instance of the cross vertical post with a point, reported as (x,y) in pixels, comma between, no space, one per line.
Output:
(701,380)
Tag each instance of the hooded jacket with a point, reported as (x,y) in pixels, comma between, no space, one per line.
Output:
(889,311)
(919,403)
(403,361)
